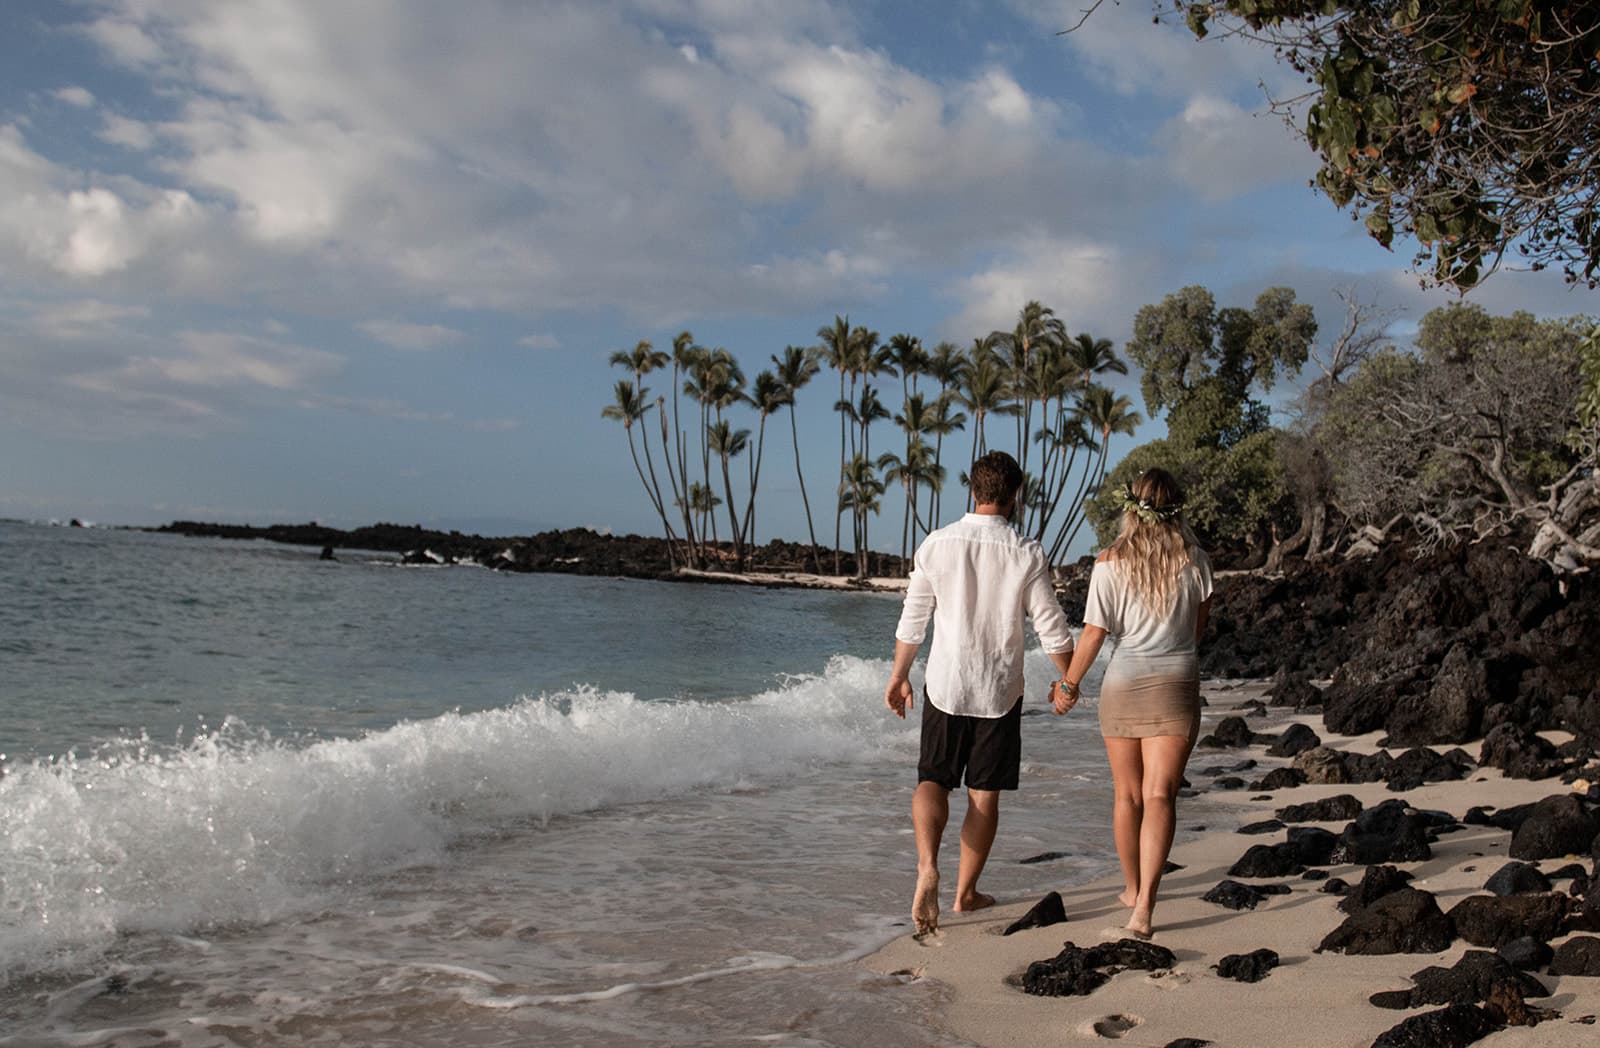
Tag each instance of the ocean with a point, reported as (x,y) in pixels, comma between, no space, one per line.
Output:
(250,797)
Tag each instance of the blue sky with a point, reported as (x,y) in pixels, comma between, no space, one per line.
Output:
(358,261)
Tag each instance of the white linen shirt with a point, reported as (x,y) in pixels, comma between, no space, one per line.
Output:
(976,579)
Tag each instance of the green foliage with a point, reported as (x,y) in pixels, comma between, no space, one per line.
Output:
(1589,367)
(1469,126)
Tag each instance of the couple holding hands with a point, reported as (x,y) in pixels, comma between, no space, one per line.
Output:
(976,580)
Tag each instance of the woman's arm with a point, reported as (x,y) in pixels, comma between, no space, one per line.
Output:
(1089,642)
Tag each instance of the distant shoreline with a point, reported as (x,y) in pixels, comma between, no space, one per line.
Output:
(571,551)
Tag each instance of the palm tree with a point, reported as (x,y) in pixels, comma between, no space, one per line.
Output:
(1037,326)
(905,355)
(948,365)
(767,395)
(987,392)
(727,443)
(795,370)
(862,491)
(836,350)
(702,501)
(1105,412)
(631,405)
(684,353)
(945,422)
(643,359)
(916,417)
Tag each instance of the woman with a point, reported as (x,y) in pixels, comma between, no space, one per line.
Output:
(1150,592)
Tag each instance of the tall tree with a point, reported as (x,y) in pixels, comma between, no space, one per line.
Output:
(795,370)
(727,443)
(767,395)
(987,392)
(643,359)
(1106,412)
(947,365)
(684,352)
(629,407)
(837,350)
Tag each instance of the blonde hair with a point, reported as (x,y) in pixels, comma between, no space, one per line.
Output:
(1154,551)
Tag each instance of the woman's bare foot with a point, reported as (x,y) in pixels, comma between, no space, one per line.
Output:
(1128,897)
(1138,924)
(925,904)
(975,900)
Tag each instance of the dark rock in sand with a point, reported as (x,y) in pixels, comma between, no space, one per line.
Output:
(1076,971)
(1369,767)
(1527,953)
(1247,967)
(1295,690)
(1454,1027)
(1558,825)
(1517,878)
(1407,920)
(1421,765)
(1280,779)
(1312,845)
(1377,882)
(1390,832)
(1334,886)
(1047,911)
(1519,753)
(1508,819)
(1235,896)
(1187,1042)
(1231,733)
(1265,826)
(1228,769)
(1043,857)
(1493,920)
(1587,919)
(1474,978)
(1253,708)
(1314,875)
(1352,708)
(1229,782)
(1322,765)
(1267,860)
(1451,710)
(1295,740)
(1572,871)
(1330,809)
(1579,955)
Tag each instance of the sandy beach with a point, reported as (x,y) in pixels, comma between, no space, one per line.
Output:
(1311,998)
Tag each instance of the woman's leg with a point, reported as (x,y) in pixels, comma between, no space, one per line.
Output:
(1163,759)
(1127,812)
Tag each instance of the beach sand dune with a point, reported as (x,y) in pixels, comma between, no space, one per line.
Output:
(1310,999)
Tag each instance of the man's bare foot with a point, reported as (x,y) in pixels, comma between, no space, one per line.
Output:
(976,900)
(925,904)
(1138,925)
(1128,897)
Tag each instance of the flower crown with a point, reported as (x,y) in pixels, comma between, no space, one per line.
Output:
(1148,511)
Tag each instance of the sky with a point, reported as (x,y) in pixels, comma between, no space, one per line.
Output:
(366,261)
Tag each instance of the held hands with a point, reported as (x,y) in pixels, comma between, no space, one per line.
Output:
(897,696)
(1063,696)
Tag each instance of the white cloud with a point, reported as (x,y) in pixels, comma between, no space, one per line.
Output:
(84,318)
(1222,150)
(130,134)
(401,334)
(75,96)
(541,341)
(1092,286)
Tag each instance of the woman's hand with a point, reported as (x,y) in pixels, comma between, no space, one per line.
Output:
(1063,696)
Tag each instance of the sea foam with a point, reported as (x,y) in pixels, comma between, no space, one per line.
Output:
(238,828)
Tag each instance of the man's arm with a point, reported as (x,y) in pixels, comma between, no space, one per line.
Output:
(898,694)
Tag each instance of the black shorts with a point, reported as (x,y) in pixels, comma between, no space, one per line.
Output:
(988,749)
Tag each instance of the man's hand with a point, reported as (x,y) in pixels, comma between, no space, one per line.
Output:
(897,696)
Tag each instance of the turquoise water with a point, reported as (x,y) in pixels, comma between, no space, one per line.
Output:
(254,798)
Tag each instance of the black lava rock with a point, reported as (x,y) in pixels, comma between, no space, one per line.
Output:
(1312,845)
(1493,920)
(1517,878)
(1407,920)
(1295,740)
(1235,896)
(1295,690)
(1472,979)
(1247,967)
(1454,1027)
(1265,826)
(1280,779)
(1422,765)
(1267,860)
(1518,752)
(1579,955)
(1527,953)
(1558,825)
(1314,875)
(1047,911)
(1330,809)
(1049,856)
(1391,832)
(1230,733)
(1377,882)
(1229,782)
(1076,971)
(1334,886)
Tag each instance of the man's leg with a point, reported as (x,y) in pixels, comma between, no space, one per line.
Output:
(977,837)
(930,810)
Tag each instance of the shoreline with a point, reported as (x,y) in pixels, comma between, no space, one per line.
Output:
(979,970)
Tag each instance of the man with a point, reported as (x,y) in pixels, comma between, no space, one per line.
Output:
(975,580)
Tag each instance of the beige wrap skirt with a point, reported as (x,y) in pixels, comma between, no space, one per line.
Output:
(1155,704)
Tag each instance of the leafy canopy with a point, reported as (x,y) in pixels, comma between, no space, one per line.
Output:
(1470,125)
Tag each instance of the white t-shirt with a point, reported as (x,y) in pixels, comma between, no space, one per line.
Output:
(1146,641)
(976,580)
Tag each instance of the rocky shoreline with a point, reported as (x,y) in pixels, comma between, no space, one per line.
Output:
(569,551)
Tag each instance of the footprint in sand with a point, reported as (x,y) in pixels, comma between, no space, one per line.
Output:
(1114,1026)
